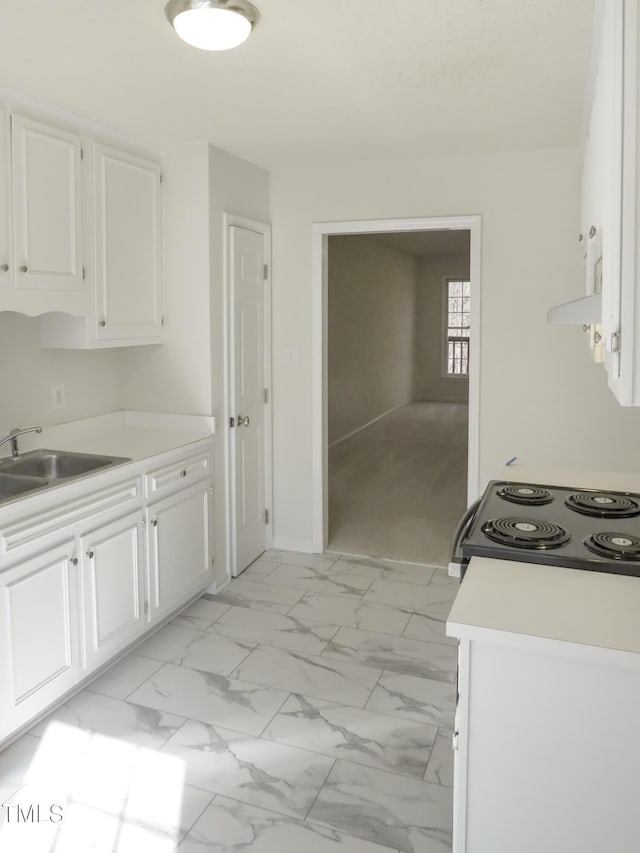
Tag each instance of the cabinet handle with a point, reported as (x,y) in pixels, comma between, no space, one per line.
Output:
(90,555)
(102,323)
(74,561)
(154,523)
(4,268)
(183,473)
(24,268)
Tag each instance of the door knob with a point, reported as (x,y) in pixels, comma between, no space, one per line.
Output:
(4,268)
(243,421)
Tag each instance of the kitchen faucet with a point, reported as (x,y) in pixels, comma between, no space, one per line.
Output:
(13,438)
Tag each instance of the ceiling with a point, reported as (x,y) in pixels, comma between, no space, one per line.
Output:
(319,81)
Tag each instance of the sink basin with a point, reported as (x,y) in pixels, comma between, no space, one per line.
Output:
(56,464)
(11,486)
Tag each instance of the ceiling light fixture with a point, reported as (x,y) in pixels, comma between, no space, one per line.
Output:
(212,24)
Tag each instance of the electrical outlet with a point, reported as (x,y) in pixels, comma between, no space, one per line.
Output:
(58,397)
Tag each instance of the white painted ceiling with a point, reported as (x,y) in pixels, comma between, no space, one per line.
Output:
(319,81)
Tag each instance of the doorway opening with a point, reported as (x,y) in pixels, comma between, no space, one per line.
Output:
(396,384)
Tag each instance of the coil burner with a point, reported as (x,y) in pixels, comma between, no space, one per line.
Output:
(603,505)
(526,533)
(617,546)
(524,494)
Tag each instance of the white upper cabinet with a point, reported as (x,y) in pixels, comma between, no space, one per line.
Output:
(47,205)
(610,189)
(80,229)
(127,246)
(124,276)
(6,254)
(41,251)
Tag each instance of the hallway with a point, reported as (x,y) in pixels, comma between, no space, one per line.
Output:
(398,487)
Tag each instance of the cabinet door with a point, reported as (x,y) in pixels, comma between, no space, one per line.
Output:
(179,550)
(38,635)
(127,246)
(47,206)
(5,202)
(112,589)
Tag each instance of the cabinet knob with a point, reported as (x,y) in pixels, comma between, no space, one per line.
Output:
(74,561)
(580,238)
(24,268)
(102,323)
(90,555)
(592,231)
(4,268)
(183,473)
(154,523)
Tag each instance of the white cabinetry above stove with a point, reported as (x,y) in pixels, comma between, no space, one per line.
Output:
(609,232)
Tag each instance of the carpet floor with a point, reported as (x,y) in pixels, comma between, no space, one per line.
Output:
(398,487)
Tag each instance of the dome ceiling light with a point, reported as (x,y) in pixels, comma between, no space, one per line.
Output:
(212,24)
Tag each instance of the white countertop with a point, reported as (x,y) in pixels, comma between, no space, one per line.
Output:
(502,598)
(135,435)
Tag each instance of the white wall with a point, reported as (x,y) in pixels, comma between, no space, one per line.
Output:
(91,379)
(176,376)
(430,383)
(540,396)
(371,295)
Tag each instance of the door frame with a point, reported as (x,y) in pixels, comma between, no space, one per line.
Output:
(321,231)
(229,220)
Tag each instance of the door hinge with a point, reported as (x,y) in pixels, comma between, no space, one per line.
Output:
(616,342)
(84,273)
(144,523)
(266,516)
(232,422)
(266,395)
(162,179)
(82,154)
(265,272)
(162,321)
(146,607)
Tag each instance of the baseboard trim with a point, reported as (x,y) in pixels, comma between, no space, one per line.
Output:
(305,546)
(369,423)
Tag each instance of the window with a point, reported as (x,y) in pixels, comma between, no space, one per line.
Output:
(457,318)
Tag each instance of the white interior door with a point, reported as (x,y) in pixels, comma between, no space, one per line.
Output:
(248,394)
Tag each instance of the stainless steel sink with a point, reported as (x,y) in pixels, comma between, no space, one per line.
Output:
(41,468)
(11,486)
(57,464)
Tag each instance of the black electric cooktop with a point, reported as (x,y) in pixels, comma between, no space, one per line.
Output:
(556,525)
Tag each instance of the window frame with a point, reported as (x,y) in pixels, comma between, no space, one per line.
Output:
(444,349)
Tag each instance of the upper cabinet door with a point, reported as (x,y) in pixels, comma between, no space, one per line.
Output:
(47,205)
(127,246)
(5,202)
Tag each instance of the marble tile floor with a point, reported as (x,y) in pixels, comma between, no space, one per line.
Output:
(308,706)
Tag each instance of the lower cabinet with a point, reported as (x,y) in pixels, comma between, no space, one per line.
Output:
(178,552)
(97,574)
(112,588)
(39,642)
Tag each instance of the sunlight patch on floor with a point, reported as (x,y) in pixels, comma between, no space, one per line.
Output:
(87,792)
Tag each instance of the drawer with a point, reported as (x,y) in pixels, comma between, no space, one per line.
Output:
(61,520)
(177,475)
